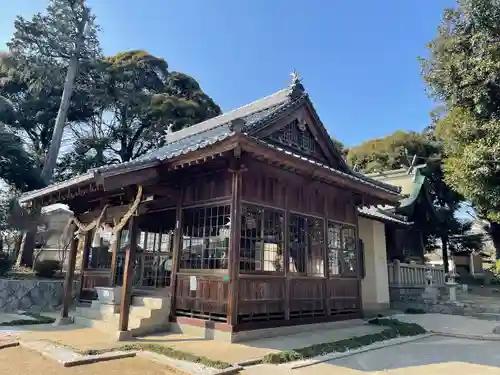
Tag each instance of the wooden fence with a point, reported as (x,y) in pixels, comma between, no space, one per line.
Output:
(404,274)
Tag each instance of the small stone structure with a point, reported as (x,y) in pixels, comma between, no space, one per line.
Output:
(33,295)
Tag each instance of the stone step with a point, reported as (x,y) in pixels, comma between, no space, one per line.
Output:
(151,302)
(138,327)
(97,312)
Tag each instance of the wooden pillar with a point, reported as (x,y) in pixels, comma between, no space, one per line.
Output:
(115,246)
(326,260)
(234,246)
(286,261)
(128,275)
(85,255)
(176,250)
(68,280)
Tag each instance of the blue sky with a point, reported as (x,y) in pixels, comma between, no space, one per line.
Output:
(358,58)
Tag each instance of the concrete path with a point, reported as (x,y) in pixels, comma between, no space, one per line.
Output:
(433,355)
(453,324)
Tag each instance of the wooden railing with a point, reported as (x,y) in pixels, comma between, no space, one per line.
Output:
(404,274)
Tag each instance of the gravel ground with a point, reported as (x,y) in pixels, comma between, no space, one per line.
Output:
(20,361)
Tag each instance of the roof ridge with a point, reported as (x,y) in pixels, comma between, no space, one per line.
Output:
(229,116)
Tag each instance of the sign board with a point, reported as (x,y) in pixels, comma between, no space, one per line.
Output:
(192,283)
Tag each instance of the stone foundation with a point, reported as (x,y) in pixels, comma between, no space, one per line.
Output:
(33,295)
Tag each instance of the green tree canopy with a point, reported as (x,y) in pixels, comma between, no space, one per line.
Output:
(462,74)
(137,99)
(391,152)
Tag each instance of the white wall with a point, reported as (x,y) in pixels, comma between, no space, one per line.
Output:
(375,285)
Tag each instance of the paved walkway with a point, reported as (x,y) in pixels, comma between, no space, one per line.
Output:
(433,355)
(453,324)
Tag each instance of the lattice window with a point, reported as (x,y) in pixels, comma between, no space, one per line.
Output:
(306,245)
(342,252)
(296,135)
(262,240)
(205,238)
(349,250)
(334,248)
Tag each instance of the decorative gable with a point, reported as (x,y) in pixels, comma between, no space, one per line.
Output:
(297,137)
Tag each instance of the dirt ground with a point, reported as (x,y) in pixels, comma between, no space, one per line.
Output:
(21,361)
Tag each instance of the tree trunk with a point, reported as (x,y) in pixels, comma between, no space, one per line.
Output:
(50,162)
(444,246)
(494,232)
(25,256)
(55,144)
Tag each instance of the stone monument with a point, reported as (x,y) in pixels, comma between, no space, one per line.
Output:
(431,293)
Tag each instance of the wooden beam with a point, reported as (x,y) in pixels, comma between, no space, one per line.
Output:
(68,280)
(128,274)
(111,212)
(204,154)
(176,250)
(234,246)
(115,246)
(308,169)
(142,177)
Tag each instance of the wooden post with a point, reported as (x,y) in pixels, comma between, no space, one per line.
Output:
(234,247)
(114,254)
(68,280)
(397,272)
(176,250)
(326,259)
(127,279)
(286,254)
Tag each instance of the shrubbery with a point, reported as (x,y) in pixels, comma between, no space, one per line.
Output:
(47,268)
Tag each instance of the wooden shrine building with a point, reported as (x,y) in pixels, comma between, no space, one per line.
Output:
(247,220)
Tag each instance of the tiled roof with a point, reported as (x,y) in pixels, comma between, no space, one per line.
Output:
(211,131)
(383,213)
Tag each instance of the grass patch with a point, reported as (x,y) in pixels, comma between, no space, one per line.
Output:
(412,310)
(163,350)
(394,329)
(38,319)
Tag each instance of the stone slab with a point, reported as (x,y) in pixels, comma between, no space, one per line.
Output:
(185,366)
(88,359)
(69,358)
(51,351)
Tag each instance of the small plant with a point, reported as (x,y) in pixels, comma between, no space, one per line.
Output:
(163,350)
(38,319)
(5,264)
(47,268)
